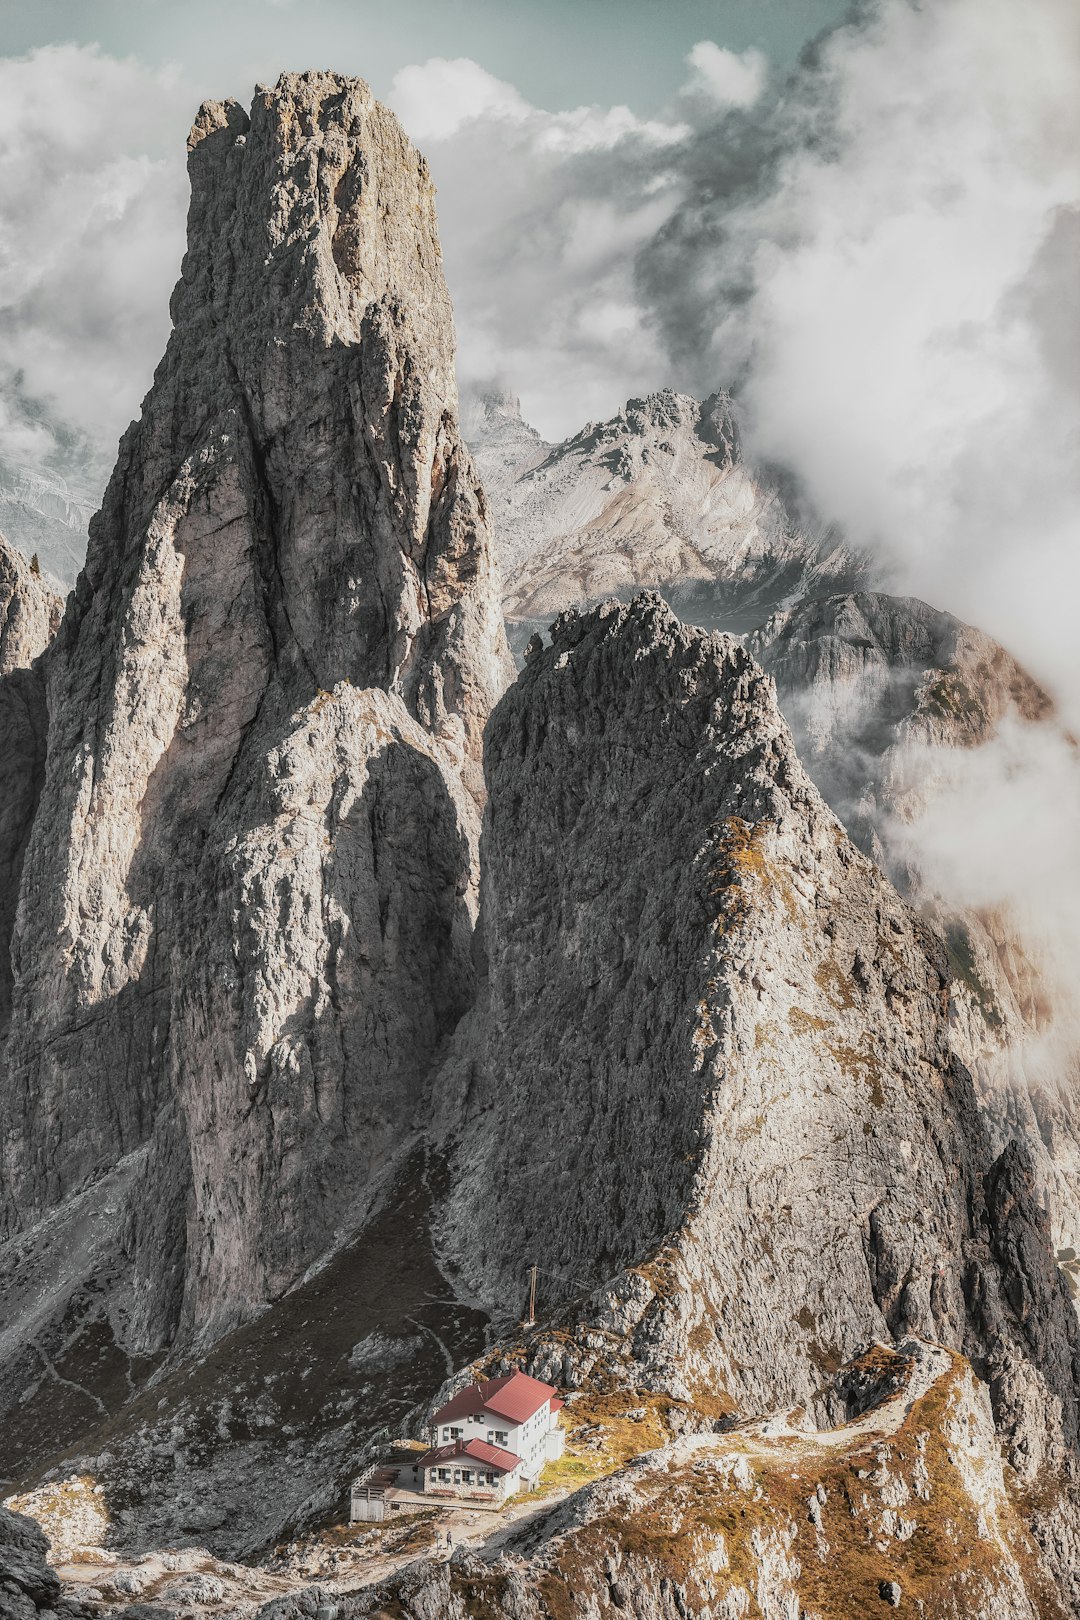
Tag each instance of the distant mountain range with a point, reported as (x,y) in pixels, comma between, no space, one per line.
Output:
(659,497)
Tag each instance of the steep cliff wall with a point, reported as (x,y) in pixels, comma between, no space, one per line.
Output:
(710,1077)
(246,913)
(891,701)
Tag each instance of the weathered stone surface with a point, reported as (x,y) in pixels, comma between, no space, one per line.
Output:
(908,1497)
(29,611)
(659,496)
(888,700)
(245,914)
(23,1550)
(713,1049)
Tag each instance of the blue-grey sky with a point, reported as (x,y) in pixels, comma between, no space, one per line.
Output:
(559,53)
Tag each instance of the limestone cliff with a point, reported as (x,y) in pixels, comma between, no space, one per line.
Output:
(709,1081)
(890,701)
(658,496)
(245,913)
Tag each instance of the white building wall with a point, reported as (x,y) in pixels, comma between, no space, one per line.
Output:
(528,1440)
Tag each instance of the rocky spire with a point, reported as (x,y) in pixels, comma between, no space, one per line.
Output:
(245,926)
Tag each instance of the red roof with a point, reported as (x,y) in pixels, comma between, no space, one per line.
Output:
(516,1397)
(491,1456)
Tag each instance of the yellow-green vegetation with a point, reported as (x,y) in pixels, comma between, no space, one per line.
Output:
(864,1065)
(892,1503)
(836,985)
(803,1022)
(737,865)
(602,1437)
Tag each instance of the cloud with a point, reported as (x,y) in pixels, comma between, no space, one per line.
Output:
(436,99)
(92,239)
(996,832)
(541,216)
(729,78)
(882,258)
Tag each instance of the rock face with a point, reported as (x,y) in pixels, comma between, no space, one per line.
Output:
(27,1584)
(43,511)
(698,1065)
(658,496)
(245,915)
(29,615)
(709,1076)
(29,611)
(889,701)
(771,1519)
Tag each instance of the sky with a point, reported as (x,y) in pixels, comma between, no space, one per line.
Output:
(865,221)
(559,53)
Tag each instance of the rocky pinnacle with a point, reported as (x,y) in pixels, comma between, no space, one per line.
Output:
(244,926)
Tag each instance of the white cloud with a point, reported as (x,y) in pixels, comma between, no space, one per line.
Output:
(541,216)
(730,78)
(93,230)
(998,833)
(434,100)
(887,278)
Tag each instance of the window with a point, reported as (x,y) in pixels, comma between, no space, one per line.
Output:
(444,1475)
(455,1434)
(501,1437)
(466,1476)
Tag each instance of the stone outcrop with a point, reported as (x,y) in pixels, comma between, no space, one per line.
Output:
(27,1584)
(245,915)
(29,611)
(658,496)
(889,701)
(709,1079)
(905,1504)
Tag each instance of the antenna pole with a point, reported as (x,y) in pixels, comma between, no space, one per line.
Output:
(532,1295)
